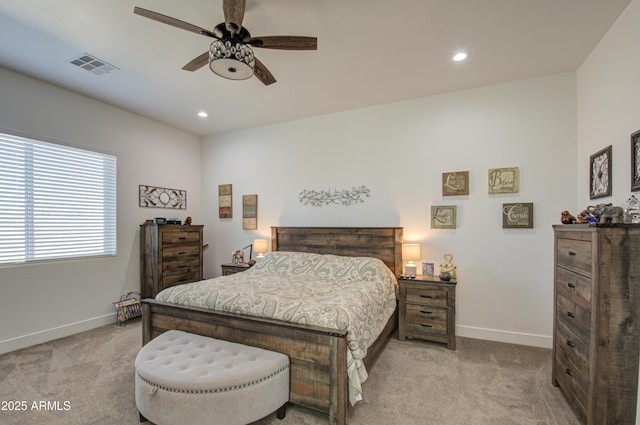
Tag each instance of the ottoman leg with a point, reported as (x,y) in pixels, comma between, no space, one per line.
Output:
(282,412)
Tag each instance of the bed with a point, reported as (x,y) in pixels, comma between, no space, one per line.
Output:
(319,355)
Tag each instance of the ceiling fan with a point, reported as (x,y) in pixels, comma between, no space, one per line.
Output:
(230,54)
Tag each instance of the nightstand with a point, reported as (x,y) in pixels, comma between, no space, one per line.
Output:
(230,268)
(428,309)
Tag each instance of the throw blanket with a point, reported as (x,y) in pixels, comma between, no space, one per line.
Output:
(357,294)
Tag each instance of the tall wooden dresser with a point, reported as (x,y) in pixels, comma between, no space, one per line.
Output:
(170,254)
(597,320)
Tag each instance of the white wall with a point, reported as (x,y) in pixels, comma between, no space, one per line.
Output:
(46,301)
(608,104)
(608,107)
(399,151)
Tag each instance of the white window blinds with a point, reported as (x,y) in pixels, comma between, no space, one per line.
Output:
(56,201)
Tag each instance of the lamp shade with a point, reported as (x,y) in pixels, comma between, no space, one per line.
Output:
(411,252)
(260,246)
(231,59)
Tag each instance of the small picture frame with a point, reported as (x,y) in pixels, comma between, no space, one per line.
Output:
(443,216)
(635,161)
(600,174)
(504,180)
(517,215)
(427,269)
(455,183)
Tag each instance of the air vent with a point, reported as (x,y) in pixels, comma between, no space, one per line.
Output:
(92,64)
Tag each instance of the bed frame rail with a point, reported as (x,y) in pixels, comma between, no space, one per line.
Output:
(317,355)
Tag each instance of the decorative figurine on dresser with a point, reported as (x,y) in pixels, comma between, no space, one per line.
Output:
(170,255)
(427,309)
(596,332)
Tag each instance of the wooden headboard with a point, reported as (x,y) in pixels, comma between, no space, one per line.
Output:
(384,243)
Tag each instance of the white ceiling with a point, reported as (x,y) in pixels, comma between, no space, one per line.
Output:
(369,52)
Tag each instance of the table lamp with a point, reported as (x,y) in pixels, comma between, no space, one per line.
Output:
(410,253)
(260,246)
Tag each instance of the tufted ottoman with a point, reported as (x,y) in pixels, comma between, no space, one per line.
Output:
(182,378)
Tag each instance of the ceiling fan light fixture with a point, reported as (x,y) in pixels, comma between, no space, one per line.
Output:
(231,59)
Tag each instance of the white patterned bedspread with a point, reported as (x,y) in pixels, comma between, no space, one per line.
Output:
(357,294)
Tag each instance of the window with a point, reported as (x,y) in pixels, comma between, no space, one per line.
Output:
(56,201)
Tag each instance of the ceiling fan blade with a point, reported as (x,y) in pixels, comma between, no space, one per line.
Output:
(233,14)
(262,73)
(197,63)
(172,21)
(285,42)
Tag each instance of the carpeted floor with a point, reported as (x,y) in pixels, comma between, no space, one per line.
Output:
(87,379)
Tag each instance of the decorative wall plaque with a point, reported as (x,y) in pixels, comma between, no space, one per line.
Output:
(517,216)
(225,209)
(318,198)
(455,183)
(600,173)
(249,212)
(635,161)
(504,180)
(162,197)
(443,216)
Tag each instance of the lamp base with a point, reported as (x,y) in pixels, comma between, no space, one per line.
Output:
(410,270)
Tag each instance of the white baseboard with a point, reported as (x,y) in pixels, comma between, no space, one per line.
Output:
(55,333)
(544,341)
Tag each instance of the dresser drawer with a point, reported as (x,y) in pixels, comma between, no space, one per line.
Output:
(172,278)
(573,347)
(574,254)
(574,286)
(174,253)
(427,296)
(181,238)
(181,266)
(570,378)
(573,317)
(427,319)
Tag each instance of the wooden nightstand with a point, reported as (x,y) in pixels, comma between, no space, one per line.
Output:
(428,310)
(230,268)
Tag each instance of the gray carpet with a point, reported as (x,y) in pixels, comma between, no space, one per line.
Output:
(88,379)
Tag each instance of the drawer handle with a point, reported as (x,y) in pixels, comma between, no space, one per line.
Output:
(426,312)
(571,285)
(570,314)
(182,252)
(571,344)
(572,253)
(426,296)
(182,238)
(568,372)
(426,326)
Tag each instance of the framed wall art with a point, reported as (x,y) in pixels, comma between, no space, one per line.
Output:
(455,183)
(249,212)
(443,216)
(600,174)
(517,216)
(635,161)
(225,207)
(504,180)
(161,197)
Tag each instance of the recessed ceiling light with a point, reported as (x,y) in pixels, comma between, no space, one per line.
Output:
(203,114)
(460,57)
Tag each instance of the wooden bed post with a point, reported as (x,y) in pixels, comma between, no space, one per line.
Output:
(339,390)
(146,323)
